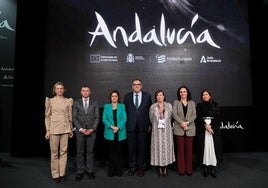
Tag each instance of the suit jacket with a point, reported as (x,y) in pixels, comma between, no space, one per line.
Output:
(108,120)
(179,118)
(58,116)
(138,117)
(84,120)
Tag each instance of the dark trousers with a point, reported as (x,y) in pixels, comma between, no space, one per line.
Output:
(137,149)
(84,152)
(184,154)
(116,160)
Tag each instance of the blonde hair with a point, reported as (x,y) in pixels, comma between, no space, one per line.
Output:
(55,85)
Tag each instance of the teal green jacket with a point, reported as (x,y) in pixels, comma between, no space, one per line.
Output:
(108,120)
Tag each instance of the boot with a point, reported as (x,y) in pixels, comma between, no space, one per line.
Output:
(213,172)
(205,172)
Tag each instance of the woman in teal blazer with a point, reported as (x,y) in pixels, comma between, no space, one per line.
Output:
(114,119)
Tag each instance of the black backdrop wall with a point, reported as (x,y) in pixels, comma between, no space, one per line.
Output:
(28,116)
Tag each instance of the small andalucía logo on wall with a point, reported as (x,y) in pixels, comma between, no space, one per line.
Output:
(230,125)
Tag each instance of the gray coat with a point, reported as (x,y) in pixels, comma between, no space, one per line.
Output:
(179,117)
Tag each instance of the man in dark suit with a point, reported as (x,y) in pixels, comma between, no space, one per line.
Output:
(86,119)
(137,105)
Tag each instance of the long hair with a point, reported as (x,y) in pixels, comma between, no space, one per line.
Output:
(189,94)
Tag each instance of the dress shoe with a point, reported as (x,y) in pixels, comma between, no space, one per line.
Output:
(131,172)
(91,175)
(141,172)
(111,174)
(164,172)
(189,174)
(205,172)
(161,173)
(56,180)
(78,177)
(181,174)
(62,179)
(213,172)
(119,173)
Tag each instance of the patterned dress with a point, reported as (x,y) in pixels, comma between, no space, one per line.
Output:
(162,146)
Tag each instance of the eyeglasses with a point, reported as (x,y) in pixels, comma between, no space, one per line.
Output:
(136,84)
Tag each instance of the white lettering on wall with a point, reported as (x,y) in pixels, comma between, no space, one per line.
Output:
(4,24)
(167,35)
(229,125)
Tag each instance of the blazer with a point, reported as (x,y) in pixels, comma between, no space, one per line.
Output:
(138,117)
(108,120)
(81,119)
(58,116)
(178,117)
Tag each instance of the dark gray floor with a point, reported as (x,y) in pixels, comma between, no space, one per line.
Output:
(239,170)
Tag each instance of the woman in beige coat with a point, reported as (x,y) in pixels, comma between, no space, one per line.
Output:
(58,122)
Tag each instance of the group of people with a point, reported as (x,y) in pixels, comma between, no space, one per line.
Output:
(158,131)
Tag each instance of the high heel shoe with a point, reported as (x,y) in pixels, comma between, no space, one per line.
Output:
(161,172)
(165,173)
(213,172)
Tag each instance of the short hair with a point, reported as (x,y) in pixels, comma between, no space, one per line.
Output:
(114,91)
(156,93)
(137,79)
(55,85)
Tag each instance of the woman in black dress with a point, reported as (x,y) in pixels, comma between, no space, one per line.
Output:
(209,152)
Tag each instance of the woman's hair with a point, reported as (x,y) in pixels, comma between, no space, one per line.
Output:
(209,92)
(156,93)
(189,94)
(114,91)
(55,85)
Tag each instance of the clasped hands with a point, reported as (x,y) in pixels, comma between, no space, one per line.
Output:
(115,129)
(209,129)
(87,131)
(184,125)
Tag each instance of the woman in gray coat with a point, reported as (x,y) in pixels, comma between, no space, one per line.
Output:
(184,114)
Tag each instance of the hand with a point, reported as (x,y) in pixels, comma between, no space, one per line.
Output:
(149,128)
(115,129)
(184,124)
(47,135)
(209,129)
(71,134)
(90,131)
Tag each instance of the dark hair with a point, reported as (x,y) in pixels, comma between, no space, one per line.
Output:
(209,92)
(136,79)
(114,91)
(156,93)
(189,94)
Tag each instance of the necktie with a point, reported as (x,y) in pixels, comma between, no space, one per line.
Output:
(85,105)
(137,101)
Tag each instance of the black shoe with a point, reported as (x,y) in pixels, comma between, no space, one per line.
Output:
(213,172)
(111,174)
(189,174)
(56,180)
(91,175)
(119,173)
(205,172)
(79,177)
(62,179)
